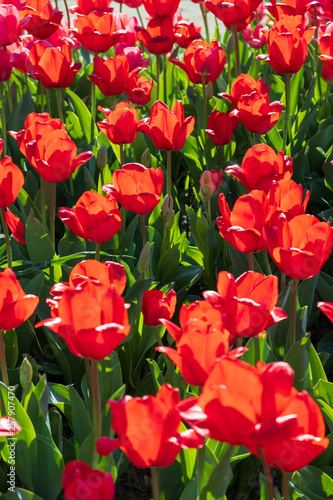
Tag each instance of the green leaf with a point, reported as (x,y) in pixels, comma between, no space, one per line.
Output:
(11,348)
(39,244)
(314,483)
(298,359)
(21,494)
(81,422)
(220,478)
(83,114)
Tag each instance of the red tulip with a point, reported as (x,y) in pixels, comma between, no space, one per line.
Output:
(6,66)
(239,12)
(248,303)
(110,75)
(288,44)
(10,24)
(137,188)
(11,181)
(94,31)
(138,89)
(301,246)
(156,306)
(261,166)
(94,218)
(243,226)
(120,125)
(167,128)
(221,126)
(47,146)
(135,57)
(258,114)
(148,429)
(91,318)
(53,66)
(325,42)
(245,85)
(161,8)
(15,225)
(86,6)
(15,306)
(202,59)
(80,481)
(326,308)
(256,38)
(291,7)
(159,36)
(287,196)
(186,32)
(43,20)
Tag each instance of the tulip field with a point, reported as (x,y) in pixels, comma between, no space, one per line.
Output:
(166,268)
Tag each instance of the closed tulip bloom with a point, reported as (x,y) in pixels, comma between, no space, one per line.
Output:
(15,225)
(110,75)
(15,306)
(138,89)
(156,306)
(287,196)
(243,226)
(47,146)
(94,218)
(301,246)
(53,66)
(248,303)
(288,44)
(137,188)
(258,114)
(91,318)
(6,66)
(261,166)
(11,181)
(120,125)
(148,429)
(244,85)
(167,128)
(161,8)
(210,181)
(159,36)
(10,24)
(80,480)
(202,58)
(44,20)
(256,38)
(94,31)
(239,12)
(221,126)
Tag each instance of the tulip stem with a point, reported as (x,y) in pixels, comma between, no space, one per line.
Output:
(205,101)
(121,147)
(143,230)
(165,79)
(157,77)
(282,281)
(89,377)
(209,210)
(220,157)
(98,251)
(68,16)
(286,117)
(43,201)
(4,373)
(169,172)
(7,240)
(160,343)
(267,472)
(154,483)
(239,342)
(234,32)
(42,106)
(285,485)
(204,17)
(140,17)
(48,103)
(293,312)
(93,110)
(59,105)
(53,189)
(9,96)
(266,261)
(97,404)
(201,467)
(4,123)
(250,263)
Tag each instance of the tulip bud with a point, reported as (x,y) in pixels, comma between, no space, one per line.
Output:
(144,259)
(102,157)
(209,182)
(166,207)
(230,46)
(146,158)
(25,373)
(209,90)
(170,220)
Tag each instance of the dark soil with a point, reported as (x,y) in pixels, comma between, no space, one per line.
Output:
(132,484)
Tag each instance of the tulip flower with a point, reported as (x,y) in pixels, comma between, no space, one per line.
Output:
(10,24)
(325,42)
(120,125)
(326,308)
(52,66)
(162,8)
(258,114)
(6,66)
(287,196)
(80,480)
(243,226)
(186,32)
(86,6)
(94,218)
(248,303)
(159,36)
(15,225)
(236,12)
(261,166)
(134,55)
(137,188)
(294,8)
(8,426)
(256,38)
(210,181)
(110,75)
(91,318)
(148,429)
(202,59)
(11,182)
(94,31)
(221,126)
(43,19)
(244,85)
(138,89)
(301,246)
(156,306)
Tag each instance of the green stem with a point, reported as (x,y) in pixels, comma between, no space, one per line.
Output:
(93,110)
(256,349)
(229,73)
(165,79)
(48,103)
(282,281)
(9,96)
(98,251)
(68,15)
(88,375)
(239,342)
(97,406)
(140,17)
(160,343)
(143,230)
(250,263)
(293,312)
(4,374)
(121,147)
(43,201)
(205,101)
(4,123)
(220,157)
(285,485)
(169,172)
(157,77)
(42,106)
(286,117)
(7,240)
(266,261)
(200,461)
(53,189)
(234,31)
(209,210)
(267,472)
(58,94)
(204,17)
(154,483)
